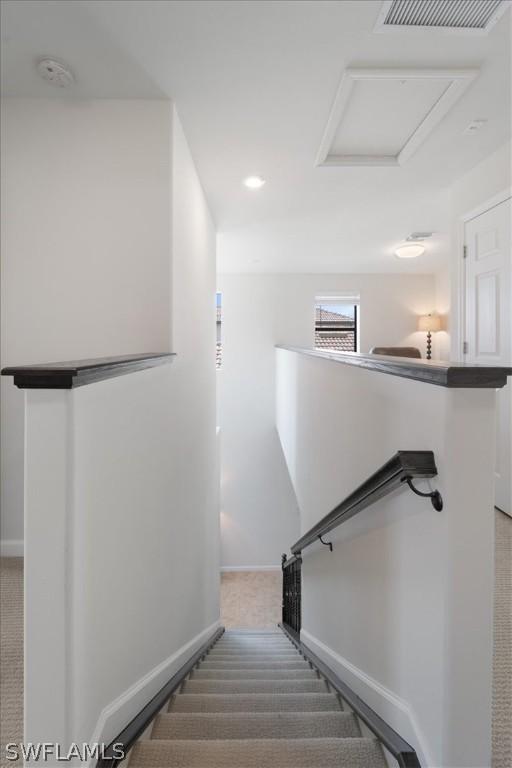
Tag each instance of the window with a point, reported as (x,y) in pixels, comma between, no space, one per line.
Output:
(336,325)
(218,303)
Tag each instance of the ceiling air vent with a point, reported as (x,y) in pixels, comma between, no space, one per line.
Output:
(469,16)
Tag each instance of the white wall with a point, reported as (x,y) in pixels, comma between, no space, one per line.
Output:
(402,608)
(487,179)
(109,243)
(259,508)
(196,452)
(85,245)
(259,515)
(441,339)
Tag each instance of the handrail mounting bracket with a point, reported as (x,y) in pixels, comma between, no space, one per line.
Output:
(326,543)
(434,496)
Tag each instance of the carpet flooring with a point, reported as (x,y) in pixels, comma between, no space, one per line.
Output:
(11,654)
(502,673)
(250,599)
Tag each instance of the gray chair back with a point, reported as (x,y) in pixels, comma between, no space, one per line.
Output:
(396,351)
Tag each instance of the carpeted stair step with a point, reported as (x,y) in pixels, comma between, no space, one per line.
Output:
(256,702)
(263,633)
(253,644)
(255,686)
(256,633)
(297,665)
(259,753)
(252,657)
(240,649)
(253,641)
(253,674)
(250,725)
(273,657)
(290,651)
(228,638)
(254,651)
(231,637)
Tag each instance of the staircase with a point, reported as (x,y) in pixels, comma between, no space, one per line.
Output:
(255,702)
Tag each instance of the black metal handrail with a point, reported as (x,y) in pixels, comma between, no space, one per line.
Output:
(399,471)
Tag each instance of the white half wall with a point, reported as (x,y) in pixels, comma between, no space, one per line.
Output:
(86,201)
(402,608)
(116,503)
(259,513)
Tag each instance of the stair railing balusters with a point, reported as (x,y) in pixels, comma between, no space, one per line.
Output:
(292,593)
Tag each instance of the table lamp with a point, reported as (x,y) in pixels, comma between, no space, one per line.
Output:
(430,324)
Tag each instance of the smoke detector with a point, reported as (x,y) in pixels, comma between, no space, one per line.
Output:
(55,72)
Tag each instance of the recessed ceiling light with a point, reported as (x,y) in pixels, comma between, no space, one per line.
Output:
(254,182)
(409,251)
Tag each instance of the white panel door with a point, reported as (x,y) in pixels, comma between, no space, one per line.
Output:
(489,321)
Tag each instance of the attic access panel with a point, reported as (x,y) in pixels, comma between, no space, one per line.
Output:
(382,116)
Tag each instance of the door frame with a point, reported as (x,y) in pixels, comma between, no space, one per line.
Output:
(486,205)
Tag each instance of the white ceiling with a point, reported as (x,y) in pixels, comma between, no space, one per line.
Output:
(254,83)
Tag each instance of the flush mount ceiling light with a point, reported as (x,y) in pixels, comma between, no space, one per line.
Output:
(409,251)
(254,182)
(55,72)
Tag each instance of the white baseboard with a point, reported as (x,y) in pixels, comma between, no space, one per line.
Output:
(240,568)
(397,712)
(12,548)
(116,715)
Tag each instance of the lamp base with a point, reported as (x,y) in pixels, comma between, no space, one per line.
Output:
(429,345)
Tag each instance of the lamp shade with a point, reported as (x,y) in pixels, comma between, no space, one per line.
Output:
(429,323)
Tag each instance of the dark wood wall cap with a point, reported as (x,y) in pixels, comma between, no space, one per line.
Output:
(76,373)
(443,374)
